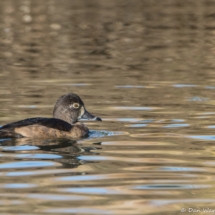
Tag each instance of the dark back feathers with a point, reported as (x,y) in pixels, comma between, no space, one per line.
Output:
(48,122)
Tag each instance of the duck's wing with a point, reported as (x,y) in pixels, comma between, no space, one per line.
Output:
(48,122)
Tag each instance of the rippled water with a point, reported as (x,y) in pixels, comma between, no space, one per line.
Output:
(147,69)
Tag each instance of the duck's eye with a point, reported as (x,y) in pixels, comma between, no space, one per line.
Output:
(75,105)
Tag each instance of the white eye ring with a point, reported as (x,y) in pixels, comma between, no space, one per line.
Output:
(75,105)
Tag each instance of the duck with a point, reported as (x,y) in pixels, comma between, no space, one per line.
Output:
(68,110)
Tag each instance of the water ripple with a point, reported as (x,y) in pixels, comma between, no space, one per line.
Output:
(39,156)
(173,186)
(98,134)
(27,164)
(19,148)
(175,125)
(17,186)
(184,85)
(57,197)
(138,125)
(82,210)
(93,190)
(130,86)
(133,108)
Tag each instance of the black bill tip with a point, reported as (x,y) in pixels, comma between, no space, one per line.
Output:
(89,116)
(97,119)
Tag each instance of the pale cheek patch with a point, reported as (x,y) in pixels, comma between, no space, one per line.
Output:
(81,112)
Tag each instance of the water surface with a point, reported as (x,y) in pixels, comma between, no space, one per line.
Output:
(147,69)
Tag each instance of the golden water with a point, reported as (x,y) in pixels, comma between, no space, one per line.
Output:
(147,68)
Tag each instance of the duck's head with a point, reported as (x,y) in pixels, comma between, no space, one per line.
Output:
(70,108)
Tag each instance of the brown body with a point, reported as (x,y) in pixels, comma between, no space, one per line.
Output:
(43,128)
(35,131)
(68,109)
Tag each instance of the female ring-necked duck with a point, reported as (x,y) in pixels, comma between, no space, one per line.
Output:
(68,110)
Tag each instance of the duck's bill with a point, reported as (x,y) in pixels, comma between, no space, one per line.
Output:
(89,116)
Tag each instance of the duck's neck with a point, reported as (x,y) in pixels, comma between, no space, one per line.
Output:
(64,116)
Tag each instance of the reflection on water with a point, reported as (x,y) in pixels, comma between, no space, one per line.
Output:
(26,164)
(147,68)
(176,125)
(184,85)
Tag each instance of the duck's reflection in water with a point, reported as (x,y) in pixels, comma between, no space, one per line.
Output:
(67,150)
